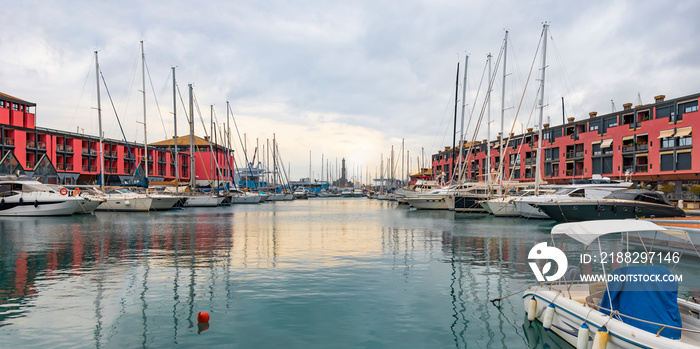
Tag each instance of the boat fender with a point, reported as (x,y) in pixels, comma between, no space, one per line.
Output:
(36,203)
(21,201)
(614,208)
(598,208)
(582,339)
(127,203)
(548,317)
(532,309)
(601,338)
(2,201)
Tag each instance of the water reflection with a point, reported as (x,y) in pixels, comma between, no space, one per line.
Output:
(301,274)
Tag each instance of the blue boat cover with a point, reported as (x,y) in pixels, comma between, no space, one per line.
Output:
(638,292)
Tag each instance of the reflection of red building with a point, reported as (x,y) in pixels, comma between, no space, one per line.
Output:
(76,156)
(650,142)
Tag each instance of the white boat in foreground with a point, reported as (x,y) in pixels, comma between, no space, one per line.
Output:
(645,314)
(124,200)
(22,196)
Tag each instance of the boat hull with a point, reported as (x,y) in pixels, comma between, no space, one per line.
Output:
(125,204)
(575,211)
(468,204)
(32,206)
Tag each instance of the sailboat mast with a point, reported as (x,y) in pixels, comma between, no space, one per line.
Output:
(539,138)
(488,128)
(461,127)
(145,130)
(454,128)
(99,121)
(177,169)
(503,111)
(193,182)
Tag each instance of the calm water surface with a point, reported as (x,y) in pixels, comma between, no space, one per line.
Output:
(320,273)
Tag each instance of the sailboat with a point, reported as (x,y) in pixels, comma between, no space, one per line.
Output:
(115,199)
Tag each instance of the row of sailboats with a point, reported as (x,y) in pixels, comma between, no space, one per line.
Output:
(495,194)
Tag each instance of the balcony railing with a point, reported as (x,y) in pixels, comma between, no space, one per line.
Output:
(628,168)
(69,167)
(42,145)
(30,164)
(60,167)
(9,141)
(86,151)
(31,144)
(59,147)
(642,147)
(579,154)
(570,154)
(69,148)
(93,152)
(628,148)
(642,168)
(569,172)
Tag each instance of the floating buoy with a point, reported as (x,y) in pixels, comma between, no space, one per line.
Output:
(548,317)
(36,203)
(601,338)
(202,317)
(63,191)
(582,340)
(532,309)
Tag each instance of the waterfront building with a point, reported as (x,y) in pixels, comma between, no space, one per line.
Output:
(70,158)
(651,143)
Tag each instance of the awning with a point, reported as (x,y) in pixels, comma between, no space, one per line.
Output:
(595,142)
(666,133)
(586,232)
(684,132)
(606,143)
(625,138)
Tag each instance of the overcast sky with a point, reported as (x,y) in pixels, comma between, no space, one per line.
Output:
(341,78)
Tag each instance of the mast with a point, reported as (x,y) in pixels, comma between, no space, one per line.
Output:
(454,132)
(403,160)
(274,163)
(177,169)
(539,138)
(212,173)
(461,127)
(503,112)
(145,130)
(488,128)
(99,121)
(193,183)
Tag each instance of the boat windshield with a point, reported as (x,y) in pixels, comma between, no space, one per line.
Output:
(30,187)
(564,191)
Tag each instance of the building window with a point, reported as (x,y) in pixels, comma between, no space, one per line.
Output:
(667,162)
(593,126)
(664,112)
(683,161)
(685,141)
(15,106)
(2,104)
(668,142)
(611,122)
(687,107)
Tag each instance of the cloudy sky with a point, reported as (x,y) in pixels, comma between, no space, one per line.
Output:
(341,78)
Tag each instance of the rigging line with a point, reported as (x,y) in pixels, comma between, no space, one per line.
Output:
(155,97)
(248,164)
(442,121)
(532,66)
(218,168)
(133,159)
(196,103)
(566,78)
(483,108)
(75,111)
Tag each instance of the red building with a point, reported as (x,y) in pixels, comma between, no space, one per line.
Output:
(76,157)
(647,143)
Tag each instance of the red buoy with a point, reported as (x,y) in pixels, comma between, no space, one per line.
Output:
(202,317)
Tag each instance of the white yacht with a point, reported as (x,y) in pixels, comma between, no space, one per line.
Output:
(595,188)
(22,196)
(124,200)
(241,197)
(204,200)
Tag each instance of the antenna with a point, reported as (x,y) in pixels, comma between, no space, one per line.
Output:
(613,105)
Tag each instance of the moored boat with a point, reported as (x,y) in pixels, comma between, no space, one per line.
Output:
(22,196)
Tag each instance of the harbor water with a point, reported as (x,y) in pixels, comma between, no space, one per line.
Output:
(319,273)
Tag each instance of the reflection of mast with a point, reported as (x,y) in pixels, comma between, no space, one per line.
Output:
(97,334)
(176,298)
(144,305)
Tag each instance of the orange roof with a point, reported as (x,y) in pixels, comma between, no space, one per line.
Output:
(182,141)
